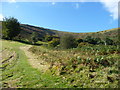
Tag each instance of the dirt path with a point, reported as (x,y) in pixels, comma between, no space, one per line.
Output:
(33,59)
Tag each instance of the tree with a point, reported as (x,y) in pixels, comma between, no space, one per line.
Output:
(10,28)
(68,41)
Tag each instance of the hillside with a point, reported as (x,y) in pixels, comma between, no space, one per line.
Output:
(28,29)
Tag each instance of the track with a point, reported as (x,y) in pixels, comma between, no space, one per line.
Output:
(33,59)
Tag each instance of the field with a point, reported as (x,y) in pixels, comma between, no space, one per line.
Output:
(29,66)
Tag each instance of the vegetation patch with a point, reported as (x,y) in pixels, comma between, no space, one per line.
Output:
(83,66)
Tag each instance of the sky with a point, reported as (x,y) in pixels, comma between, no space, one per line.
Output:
(64,16)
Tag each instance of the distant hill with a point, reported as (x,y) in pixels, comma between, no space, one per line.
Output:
(28,29)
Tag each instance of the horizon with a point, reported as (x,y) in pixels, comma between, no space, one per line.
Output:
(77,17)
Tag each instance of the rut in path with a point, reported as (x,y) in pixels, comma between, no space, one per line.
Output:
(33,59)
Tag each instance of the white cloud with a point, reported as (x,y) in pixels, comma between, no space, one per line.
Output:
(1,17)
(112,7)
(77,5)
(12,1)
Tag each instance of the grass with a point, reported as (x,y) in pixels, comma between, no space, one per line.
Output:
(22,75)
(66,70)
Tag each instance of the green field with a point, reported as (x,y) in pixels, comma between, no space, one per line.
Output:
(83,67)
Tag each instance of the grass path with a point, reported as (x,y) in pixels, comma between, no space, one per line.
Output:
(33,59)
(22,74)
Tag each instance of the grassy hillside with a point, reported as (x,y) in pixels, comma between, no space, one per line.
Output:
(28,29)
(83,67)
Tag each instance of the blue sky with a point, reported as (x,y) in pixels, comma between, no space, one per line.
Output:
(63,16)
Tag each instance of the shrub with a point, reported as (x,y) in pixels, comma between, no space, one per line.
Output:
(94,41)
(51,37)
(98,41)
(68,41)
(79,40)
(54,43)
(34,37)
(83,44)
(90,40)
(48,38)
(109,41)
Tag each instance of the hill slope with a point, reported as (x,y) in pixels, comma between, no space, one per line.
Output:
(28,29)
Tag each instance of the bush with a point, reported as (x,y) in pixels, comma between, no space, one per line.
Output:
(48,38)
(34,37)
(98,41)
(90,40)
(84,44)
(54,43)
(68,41)
(109,41)
(94,41)
(79,40)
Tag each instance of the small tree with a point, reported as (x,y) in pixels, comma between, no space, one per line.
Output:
(68,41)
(10,28)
